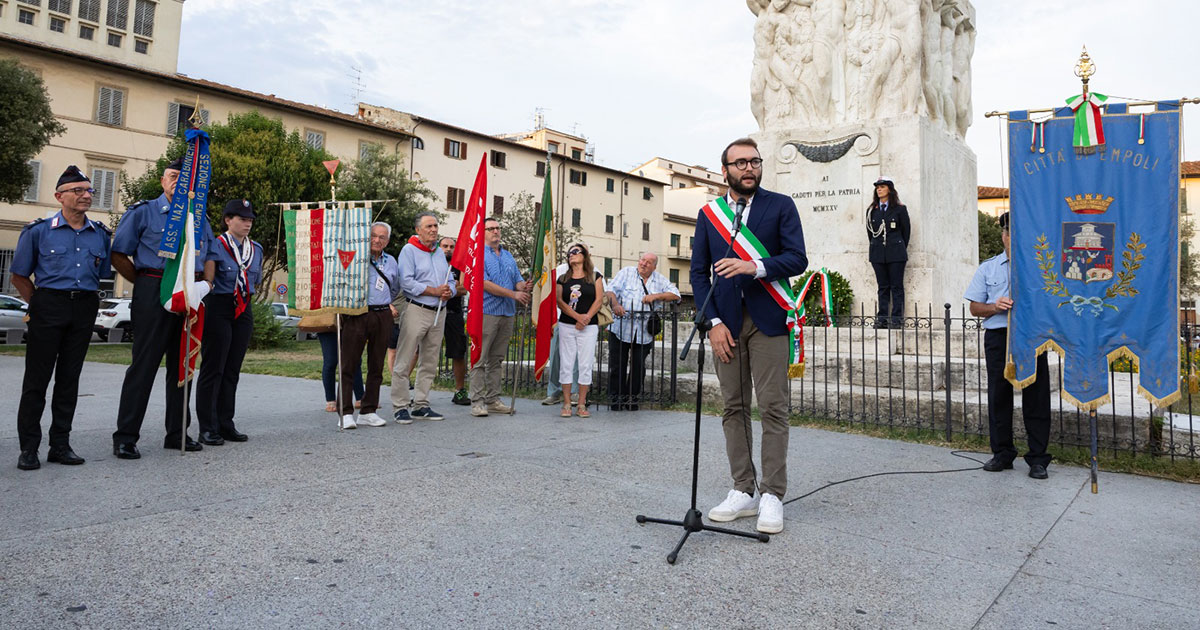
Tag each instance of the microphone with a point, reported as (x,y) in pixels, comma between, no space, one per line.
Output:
(737,219)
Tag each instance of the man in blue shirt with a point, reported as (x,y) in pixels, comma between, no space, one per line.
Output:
(503,287)
(372,330)
(988,294)
(633,293)
(156,331)
(66,255)
(427,284)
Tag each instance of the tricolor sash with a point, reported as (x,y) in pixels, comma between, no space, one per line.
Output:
(749,248)
(1089,125)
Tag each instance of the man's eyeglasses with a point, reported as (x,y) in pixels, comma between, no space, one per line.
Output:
(743,163)
(492,229)
(573,251)
(79,191)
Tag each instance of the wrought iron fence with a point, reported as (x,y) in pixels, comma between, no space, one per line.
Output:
(929,373)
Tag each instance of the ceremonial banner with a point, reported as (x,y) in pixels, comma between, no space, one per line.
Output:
(1095,250)
(328,248)
(545,307)
(468,258)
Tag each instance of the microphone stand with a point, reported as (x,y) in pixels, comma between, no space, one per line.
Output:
(693,520)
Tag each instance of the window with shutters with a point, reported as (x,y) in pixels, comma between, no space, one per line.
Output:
(25,17)
(110,106)
(499,159)
(576,154)
(179,117)
(610,185)
(417,144)
(674,240)
(104,182)
(607,267)
(456,198)
(455,149)
(32,3)
(540,169)
(58,25)
(691,242)
(625,186)
(60,6)
(645,230)
(497,205)
(578,177)
(314,138)
(118,14)
(609,222)
(114,39)
(89,10)
(675,277)
(646,194)
(143,18)
(552,147)
(86,32)
(31,193)
(576,217)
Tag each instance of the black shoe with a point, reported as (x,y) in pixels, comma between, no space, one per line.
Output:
(28,460)
(211,439)
(234,436)
(1038,471)
(64,455)
(126,450)
(996,464)
(190,445)
(461,398)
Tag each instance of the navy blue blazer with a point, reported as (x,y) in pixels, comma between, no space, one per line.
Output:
(776,223)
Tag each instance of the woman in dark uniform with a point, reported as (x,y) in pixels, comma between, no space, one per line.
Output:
(228,323)
(888,229)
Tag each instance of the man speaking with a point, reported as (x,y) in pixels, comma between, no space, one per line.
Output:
(749,333)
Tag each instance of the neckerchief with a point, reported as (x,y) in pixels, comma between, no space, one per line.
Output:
(413,240)
(243,255)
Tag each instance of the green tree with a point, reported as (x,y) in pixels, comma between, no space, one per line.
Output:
(26,126)
(1189,274)
(989,237)
(520,223)
(380,176)
(254,158)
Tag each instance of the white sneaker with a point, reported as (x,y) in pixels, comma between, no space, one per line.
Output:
(479,410)
(500,408)
(371,420)
(770,515)
(736,505)
(348,422)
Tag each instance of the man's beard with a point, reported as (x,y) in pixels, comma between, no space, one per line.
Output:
(735,184)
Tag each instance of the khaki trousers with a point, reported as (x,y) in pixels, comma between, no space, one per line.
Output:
(418,334)
(485,376)
(760,362)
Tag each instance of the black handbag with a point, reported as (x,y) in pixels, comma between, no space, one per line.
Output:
(654,321)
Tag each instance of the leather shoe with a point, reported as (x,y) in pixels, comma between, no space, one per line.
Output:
(190,446)
(234,436)
(996,464)
(64,456)
(28,461)
(1038,471)
(211,439)
(126,450)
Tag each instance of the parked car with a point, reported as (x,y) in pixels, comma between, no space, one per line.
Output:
(12,315)
(281,315)
(114,313)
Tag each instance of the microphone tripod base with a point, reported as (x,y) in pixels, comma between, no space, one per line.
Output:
(692,522)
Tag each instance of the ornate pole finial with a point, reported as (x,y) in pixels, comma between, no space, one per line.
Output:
(1085,69)
(195,118)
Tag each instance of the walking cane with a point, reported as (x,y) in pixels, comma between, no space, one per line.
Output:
(337,388)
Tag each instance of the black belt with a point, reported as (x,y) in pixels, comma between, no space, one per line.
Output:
(70,295)
(379,307)
(425,306)
(157,273)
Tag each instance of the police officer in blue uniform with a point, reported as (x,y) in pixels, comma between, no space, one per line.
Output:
(888,230)
(228,324)
(156,331)
(66,255)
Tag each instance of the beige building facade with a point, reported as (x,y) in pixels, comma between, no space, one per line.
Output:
(619,214)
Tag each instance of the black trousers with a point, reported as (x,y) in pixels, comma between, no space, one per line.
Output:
(155,333)
(369,330)
(225,341)
(57,342)
(626,371)
(1035,404)
(890,279)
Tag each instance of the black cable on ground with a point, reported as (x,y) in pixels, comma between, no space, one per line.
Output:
(896,472)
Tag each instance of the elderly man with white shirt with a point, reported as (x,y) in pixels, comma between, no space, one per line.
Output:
(634,293)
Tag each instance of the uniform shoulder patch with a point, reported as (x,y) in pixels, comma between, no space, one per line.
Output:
(102,226)
(33,223)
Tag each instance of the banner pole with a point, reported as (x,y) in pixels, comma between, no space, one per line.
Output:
(337,319)
(187,381)
(1095,466)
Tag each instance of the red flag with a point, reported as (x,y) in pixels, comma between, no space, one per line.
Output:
(468,258)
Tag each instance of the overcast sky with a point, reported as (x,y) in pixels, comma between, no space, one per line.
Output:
(645,78)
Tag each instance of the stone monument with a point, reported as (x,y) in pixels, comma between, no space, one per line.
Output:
(845,91)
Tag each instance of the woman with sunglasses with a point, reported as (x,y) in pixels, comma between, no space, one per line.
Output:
(580,294)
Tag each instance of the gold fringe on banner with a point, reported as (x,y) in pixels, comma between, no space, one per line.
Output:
(1010,371)
(796,370)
